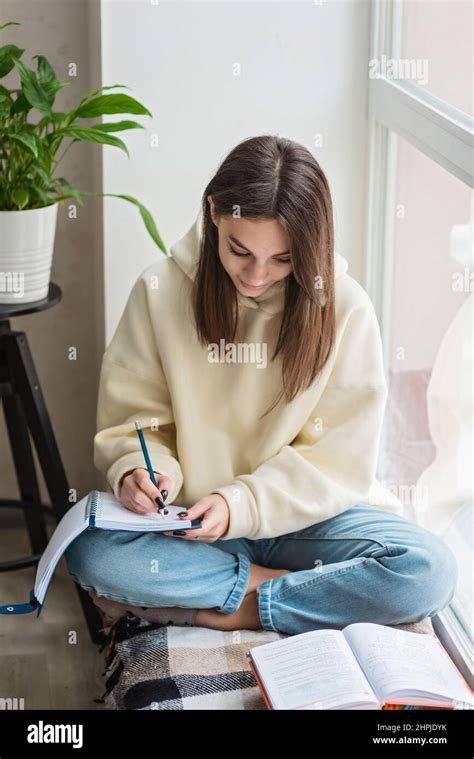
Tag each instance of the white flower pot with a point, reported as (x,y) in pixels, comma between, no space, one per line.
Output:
(26,253)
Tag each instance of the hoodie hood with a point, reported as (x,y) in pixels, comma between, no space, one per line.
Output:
(186,251)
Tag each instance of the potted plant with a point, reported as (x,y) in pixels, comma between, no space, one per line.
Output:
(30,188)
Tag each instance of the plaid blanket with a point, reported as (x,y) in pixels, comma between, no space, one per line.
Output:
(150,666)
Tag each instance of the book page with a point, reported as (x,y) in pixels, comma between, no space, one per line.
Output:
(316,667)
(397,660)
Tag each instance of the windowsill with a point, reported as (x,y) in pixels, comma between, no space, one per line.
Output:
(456,642)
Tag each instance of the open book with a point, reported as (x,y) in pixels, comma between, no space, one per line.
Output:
(363,666)
(97,509)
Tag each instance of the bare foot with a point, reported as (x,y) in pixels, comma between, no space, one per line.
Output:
(247,616)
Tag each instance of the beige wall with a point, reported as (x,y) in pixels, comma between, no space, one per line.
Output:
(66,31)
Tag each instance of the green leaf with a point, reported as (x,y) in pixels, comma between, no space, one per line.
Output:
(9,23)
(28,140)
(47,76)
(42,123)
(44,158)
(43,174)
(147,218)
(32,89)
(51,88)
(61,119)
(20,105)
(7,55)
(107,104)
(44,69)
(73,191)
(20,197)
(93,93)
(118,126)
(39,194)
(91,134)
(144,213)
(5,103)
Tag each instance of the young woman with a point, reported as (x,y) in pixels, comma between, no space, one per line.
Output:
(253,362)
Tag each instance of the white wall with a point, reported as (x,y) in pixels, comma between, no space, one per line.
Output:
(303,73)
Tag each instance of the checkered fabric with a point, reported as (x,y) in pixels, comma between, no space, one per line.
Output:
(151,666)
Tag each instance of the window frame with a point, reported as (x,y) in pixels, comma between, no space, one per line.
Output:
(444,134)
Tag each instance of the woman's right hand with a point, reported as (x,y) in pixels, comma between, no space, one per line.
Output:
(138,492)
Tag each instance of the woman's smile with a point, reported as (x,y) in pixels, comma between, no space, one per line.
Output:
(252,287)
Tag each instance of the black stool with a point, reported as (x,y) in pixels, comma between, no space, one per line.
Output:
(25,411)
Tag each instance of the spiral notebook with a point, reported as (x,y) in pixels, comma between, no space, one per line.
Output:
(96,510)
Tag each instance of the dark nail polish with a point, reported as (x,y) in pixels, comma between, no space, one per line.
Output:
(164,494)
(159,502)
(179,532)
(182,513)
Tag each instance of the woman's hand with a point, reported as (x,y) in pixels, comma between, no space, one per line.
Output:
(138,492)
(214,523)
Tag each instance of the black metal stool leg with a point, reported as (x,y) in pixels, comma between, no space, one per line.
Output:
(28,387)
(25,471)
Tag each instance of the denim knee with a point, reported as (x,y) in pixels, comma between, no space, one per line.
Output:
(433,575)
(442,573)
(88,559)
(150,569)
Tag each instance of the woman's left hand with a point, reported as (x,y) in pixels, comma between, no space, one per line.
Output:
(215,519)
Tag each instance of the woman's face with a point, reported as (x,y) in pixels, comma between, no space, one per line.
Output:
(254,253)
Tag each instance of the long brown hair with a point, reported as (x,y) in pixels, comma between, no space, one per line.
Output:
(274,178)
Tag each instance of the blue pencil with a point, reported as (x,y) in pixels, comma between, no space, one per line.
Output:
(139,430)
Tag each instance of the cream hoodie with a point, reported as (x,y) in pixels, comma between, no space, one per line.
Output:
(305,462)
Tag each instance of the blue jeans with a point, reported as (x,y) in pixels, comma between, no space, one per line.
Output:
(362,565)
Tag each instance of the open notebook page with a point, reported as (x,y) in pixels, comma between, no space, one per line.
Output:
(112,512)
(70,526)
(401,661)
(315,667)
